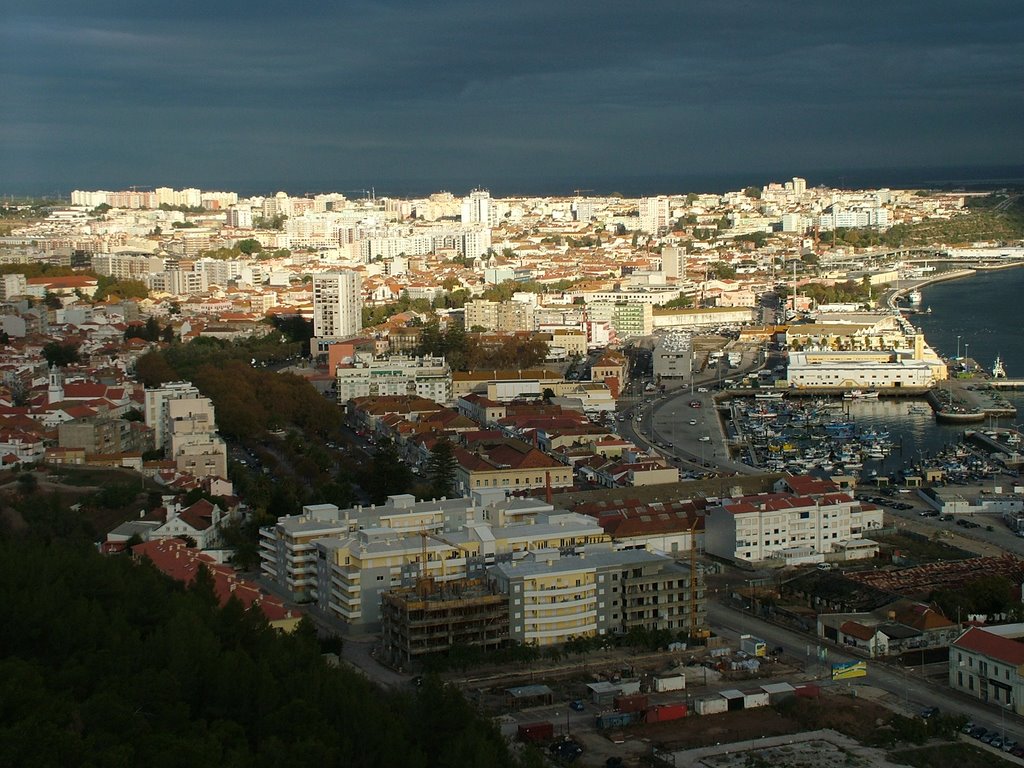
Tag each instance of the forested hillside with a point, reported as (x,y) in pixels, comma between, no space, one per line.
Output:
(104,662)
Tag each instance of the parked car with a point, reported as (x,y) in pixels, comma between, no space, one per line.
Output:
(928,712)
(968,727)
(1009,745)
(978,731)
(577,705)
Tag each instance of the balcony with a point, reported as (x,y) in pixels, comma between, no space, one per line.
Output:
(583,589)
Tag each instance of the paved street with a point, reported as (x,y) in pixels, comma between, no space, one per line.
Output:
(907,687)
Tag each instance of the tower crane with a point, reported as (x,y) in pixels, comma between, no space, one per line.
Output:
(696,632)
(426,583)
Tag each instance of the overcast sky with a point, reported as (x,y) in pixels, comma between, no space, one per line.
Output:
(257,96)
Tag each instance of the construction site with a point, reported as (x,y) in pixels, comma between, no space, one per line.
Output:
(418,620)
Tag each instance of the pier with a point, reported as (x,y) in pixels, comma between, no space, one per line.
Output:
(1006,383)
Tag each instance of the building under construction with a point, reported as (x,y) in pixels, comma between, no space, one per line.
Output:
(418,621)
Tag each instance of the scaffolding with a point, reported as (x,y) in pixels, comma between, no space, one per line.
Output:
(466,612)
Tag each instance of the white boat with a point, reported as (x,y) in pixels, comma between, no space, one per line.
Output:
(998,372)
(768,396)
(914,297)
(861,394)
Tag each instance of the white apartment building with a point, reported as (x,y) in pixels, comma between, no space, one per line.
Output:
(673,262)
(185,426)
(12,285)
(428,377)
(554,598)
(345,559)
(654,215)
(850,218)
(337,305)
(499,315)
(127,266)
(178,282)
(625,318)
(239,216)
(479,209)
(799,529)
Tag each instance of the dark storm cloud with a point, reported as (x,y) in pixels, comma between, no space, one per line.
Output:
(246,94)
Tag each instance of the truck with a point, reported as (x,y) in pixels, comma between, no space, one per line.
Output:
(753,646)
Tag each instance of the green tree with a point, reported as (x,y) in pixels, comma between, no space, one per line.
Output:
(388,474)
(441,468)
(249,246)
(60,354)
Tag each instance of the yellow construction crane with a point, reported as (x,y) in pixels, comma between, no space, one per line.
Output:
(696,632)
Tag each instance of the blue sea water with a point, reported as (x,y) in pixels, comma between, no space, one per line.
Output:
(985,311)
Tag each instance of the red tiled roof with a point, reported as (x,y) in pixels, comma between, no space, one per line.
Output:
(853,629)
(994,646)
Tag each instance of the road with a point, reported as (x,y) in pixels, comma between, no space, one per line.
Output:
(907,686)
(668,423)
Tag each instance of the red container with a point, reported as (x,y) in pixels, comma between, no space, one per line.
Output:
(807,691)
(536,732)
(635,703)
(662,713)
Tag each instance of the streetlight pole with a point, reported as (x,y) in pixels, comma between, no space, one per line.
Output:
(957,347)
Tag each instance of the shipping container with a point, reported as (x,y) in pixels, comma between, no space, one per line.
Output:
(755,646)
(536,732)
(663,683)
(616,719)
(712,706)
(751,700)
(662,713)
(634,703)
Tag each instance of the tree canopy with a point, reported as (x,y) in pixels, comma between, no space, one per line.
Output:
(104,661)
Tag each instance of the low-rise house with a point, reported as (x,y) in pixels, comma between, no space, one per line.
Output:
(987,663)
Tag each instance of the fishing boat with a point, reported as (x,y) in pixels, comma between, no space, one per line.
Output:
(914,297)
(859,394)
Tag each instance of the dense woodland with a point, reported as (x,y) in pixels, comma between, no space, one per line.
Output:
(105,662)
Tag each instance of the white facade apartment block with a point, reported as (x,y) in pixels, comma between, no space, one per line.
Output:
(337,304)
(757,528)
(12,285)
(654,215)
(239,216)
(126,266)
(428,377)
(157,399)
(478,208)
(178,282)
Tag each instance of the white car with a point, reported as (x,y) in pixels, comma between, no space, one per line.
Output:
(692,422)
(702,389)
(704,439)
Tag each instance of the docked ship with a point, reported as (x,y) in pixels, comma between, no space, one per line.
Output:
(861,394)
(914,297)
(998,372)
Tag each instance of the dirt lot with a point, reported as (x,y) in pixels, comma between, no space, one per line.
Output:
(950,756)
(855,717)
